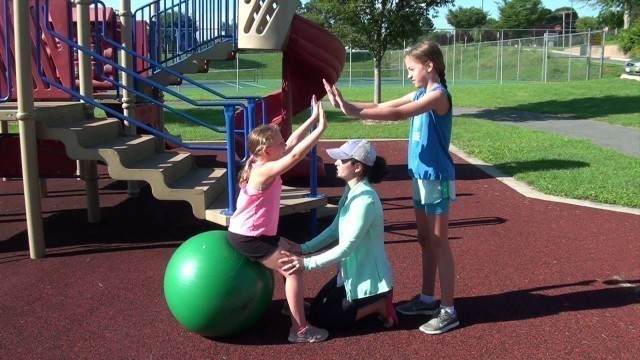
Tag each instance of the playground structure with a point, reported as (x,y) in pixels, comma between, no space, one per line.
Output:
(51,81)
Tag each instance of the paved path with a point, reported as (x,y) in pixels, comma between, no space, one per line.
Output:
(623,139)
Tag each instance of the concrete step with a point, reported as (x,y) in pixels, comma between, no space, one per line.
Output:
(80,135)
(169,165)
(129,149)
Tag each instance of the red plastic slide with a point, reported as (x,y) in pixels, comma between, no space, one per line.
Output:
(311,54)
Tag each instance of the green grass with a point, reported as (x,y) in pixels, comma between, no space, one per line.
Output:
(611,100)
(553,164)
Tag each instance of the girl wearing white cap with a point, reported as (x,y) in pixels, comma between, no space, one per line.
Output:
(363,285)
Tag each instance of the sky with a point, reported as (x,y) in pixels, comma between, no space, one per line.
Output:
(490,6)
(440,21)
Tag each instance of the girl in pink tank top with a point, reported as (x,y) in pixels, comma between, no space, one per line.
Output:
(253,226)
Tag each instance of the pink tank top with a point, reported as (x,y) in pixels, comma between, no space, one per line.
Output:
(258,210)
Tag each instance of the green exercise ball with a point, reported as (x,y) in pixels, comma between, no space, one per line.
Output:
(212,289)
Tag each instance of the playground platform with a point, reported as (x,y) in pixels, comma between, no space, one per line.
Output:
(535,279)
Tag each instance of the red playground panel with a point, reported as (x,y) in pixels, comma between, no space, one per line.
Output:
(52,158)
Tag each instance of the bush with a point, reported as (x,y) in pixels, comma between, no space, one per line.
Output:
(630,40)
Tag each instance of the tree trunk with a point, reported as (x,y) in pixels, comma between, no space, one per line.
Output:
(377,91)
(627,15)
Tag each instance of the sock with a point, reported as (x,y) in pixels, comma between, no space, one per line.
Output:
(427,299)
(450,310)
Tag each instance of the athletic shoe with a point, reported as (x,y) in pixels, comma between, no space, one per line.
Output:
(308,334)
(287,311)
(418,307)
(441,322)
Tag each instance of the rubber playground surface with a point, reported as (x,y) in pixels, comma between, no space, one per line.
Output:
(535,279)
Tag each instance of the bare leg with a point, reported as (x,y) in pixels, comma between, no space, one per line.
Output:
(440,252)
(429,260)
(293,289)
(379,307)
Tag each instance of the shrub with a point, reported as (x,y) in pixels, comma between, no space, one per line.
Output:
(630,40)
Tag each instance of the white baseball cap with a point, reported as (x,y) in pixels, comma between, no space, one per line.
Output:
(358,149)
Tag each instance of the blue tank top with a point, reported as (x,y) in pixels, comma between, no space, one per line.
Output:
(429,140)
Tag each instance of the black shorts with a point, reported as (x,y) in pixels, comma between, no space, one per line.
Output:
(254,247)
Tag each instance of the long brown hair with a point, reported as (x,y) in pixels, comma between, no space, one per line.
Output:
(429,51)
(258,140)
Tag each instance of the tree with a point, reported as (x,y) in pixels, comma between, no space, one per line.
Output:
(178,31)
(375,25)
(614,19)
(630,40)
(564,16)
(522,14)
(467,18)
(586,23)
(314,12)
(631,8)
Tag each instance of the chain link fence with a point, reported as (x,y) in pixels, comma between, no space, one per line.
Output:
(471,56)
(499,56)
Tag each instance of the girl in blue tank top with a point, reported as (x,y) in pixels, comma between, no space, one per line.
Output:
(433,175)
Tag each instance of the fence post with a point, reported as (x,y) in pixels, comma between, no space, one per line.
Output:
(462,55)
(237,71)
(350,62)
(478,62)
(404,46)
(604,36)
(518,67)
(570,56)
(453,71)
(545,53)
(501,55)
(588,53)
(497,55)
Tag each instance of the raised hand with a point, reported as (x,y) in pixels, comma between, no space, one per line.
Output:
(315,106)
(347,108)
(330,93)
(322,120)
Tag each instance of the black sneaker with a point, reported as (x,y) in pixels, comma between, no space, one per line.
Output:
(418,307)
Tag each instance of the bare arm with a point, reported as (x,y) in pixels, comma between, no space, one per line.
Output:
(356,109)
(298,134)
(398,109)
(271,169)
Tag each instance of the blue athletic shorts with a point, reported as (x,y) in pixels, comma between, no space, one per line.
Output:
(433,196)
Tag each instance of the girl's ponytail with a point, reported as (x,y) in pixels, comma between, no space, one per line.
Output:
(243,176)
(443,81)
(257,141)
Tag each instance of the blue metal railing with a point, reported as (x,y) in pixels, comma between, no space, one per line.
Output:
(185,26)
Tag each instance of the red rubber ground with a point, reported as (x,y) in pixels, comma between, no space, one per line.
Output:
(535,279)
